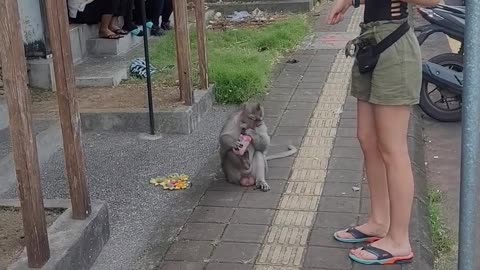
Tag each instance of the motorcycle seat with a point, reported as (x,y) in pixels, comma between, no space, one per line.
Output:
(451,21)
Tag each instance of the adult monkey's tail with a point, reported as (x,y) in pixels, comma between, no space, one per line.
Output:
(291,150)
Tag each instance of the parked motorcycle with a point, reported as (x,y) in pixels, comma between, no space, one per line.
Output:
(439,98)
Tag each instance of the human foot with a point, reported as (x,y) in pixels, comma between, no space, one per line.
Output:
(107,34)
(384,251)
(368,232)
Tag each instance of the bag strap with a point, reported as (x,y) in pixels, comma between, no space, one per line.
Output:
(392,38)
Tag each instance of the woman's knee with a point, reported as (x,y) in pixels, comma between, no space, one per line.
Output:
(367,139)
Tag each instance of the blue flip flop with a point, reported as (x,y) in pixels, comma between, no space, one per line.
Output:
(358,237)
(383,257)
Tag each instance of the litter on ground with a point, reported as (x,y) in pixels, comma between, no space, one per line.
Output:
(172,182)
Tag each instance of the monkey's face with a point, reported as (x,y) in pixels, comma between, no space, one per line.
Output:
(253,116)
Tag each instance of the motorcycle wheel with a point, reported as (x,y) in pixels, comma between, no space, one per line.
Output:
(433,107)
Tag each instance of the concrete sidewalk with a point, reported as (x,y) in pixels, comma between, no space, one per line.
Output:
(291,227)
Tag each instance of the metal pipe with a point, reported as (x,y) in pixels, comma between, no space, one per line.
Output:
(147,62)
(470,140)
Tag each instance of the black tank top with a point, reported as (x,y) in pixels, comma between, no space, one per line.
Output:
(384,10)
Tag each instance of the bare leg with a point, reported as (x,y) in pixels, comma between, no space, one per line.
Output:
(379,218)
(392,138)
(104,30)
(259,170)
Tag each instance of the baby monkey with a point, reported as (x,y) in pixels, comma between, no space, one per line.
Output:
(251,167)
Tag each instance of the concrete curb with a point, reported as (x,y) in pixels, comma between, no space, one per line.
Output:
(74,244)
(177,120)
(229,7)
(419,227)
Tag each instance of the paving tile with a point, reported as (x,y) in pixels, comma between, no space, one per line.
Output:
(223,185)
(273,112)
(278,173)
(334,258)
(202,231)
(349,115)
(211,214)
(365,191)
(294,218)
(182,265)
(275,104)
(191,251)
(286,140)
(344,176)
(337,189)
(306,91)
(260,200)
(304,188)
(228,266)
(296,118)
(348,123)
(275,97)
(281,255)
(304,175)
(350,164)
(281,162)
(324,237)
(289,131)
(235,252)
(286,91)
(349,107)
(299,202)
(323,58)
(277,187)
(298,97)
(283,235)
(245,233)
(310,85)
(347,132)
(301,106)
(318,69)
(347,152)
(346,142)
(335,220)
(364,206)
(314,77)
(253,216)
(357,266)
(271,122)
(221,198)
(339,204)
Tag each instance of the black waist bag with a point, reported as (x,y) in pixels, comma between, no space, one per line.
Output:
(368,54)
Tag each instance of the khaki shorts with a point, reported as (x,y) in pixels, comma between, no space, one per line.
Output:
(397,78)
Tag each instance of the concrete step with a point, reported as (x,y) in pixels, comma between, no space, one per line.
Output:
(111,47)
(79,35)
(230,6)
(101,72)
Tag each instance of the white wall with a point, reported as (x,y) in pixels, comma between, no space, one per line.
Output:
(31,20)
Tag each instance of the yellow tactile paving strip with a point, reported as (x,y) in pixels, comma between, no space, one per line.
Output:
(286,242)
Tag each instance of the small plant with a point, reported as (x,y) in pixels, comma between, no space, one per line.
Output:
(441,234)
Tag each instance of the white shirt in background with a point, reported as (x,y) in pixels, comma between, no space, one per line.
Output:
(75,6)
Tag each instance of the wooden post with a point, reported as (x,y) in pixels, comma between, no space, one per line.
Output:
(24,146)
(201,42)
(68,107)
(182,39)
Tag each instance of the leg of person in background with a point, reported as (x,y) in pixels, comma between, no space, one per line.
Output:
(156,9)
(98,12)
(128,24)
(119,7)
(166,14)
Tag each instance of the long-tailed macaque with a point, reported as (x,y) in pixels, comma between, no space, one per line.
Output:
(248,169)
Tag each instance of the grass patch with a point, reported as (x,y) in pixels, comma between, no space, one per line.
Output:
(240,60)
(443,242)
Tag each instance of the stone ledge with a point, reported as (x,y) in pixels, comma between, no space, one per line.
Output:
(178,120)
(228,7)
(74,244)
(419,228)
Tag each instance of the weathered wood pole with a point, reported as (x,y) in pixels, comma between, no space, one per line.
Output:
(68,107)
(182,40)
(24,145)
(201,42)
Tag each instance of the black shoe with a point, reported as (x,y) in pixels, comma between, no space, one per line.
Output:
(157,31)
(129,27)
(166,26)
